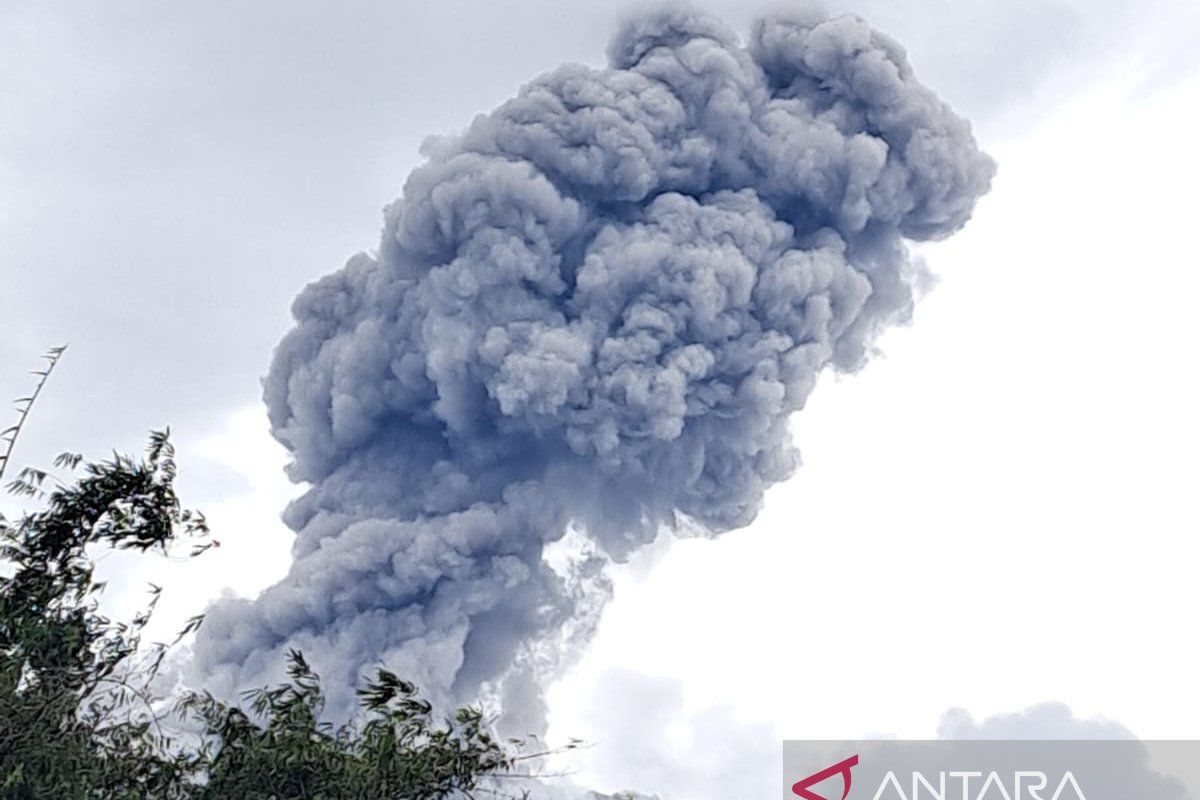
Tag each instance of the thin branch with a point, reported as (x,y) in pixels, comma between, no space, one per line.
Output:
(52,356)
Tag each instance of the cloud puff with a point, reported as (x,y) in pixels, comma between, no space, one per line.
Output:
(644,736)
(593,310)
(1042,721)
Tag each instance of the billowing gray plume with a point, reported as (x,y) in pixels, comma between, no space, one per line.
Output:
(592,311)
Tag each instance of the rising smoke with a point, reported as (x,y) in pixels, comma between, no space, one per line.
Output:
(590,313)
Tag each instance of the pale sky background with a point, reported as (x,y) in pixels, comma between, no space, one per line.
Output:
(998,513)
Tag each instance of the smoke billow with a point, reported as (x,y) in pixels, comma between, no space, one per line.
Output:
(591,312)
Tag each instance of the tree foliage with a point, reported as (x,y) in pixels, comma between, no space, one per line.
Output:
(75,716)
(79,717)
(399,752)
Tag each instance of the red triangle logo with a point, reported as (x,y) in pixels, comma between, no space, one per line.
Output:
(801,787)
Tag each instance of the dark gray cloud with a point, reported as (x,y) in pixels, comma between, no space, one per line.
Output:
(596,308)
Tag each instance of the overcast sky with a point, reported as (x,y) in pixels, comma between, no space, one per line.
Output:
(1000,512)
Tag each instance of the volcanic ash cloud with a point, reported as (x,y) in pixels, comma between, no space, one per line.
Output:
(591,312)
